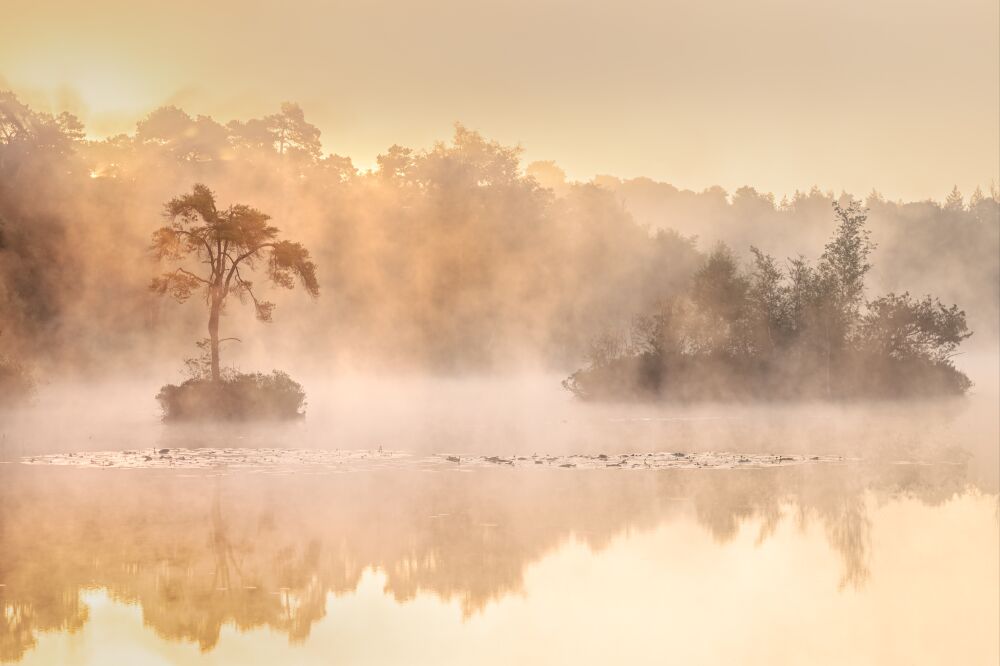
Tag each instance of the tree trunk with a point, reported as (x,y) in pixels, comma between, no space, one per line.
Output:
(213,334)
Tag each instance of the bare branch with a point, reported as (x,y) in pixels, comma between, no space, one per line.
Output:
(263,308)
(180,284)
(190,234)
(242,257)
(189,273)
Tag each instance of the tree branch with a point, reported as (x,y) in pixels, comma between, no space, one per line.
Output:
(208,248)
(196,277)
(263,309)
(243,256)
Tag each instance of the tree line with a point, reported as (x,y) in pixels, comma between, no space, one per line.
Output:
(452,257)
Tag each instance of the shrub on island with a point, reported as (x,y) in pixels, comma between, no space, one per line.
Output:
(236,396)
(760,332)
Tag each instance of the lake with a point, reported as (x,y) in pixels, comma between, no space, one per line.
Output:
(883,550)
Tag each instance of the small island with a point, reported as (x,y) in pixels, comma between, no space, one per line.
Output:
(762,331)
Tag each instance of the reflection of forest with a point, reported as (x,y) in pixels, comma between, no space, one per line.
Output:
(197,552)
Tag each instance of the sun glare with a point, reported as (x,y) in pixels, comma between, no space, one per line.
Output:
(105,94)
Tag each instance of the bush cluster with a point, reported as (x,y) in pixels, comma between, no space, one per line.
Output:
(237,396)
(761,331)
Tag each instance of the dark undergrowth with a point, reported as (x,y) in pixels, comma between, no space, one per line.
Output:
(856,376)
(238,396)
(16,383)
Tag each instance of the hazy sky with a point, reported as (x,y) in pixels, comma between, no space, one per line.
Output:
(779,94)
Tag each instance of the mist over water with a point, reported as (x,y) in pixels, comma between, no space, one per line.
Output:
(519,414)
(549,416)
(210,566)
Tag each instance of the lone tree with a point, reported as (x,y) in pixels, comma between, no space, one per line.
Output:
(217,250)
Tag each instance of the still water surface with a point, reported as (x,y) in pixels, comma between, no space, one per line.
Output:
(890,557)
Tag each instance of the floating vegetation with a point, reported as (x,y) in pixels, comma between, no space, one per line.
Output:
(345,459)
(215,457)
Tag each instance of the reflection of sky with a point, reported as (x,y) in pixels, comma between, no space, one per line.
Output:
(671,594)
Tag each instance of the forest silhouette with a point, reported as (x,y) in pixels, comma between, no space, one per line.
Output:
(453,258)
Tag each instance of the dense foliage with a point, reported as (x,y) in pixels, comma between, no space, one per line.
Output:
(237,396)
(800,331)
(211,393)
(455,257)
(451,257)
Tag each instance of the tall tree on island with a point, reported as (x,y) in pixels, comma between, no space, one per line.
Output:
(216,251)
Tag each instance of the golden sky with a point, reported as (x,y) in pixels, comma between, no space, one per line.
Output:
(902,95)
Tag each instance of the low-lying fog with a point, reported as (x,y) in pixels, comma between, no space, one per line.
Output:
(246,565)
(520,415)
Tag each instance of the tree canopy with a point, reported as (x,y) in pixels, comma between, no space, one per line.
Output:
(227,246)
(457,255)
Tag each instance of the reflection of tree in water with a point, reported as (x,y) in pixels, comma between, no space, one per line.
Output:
(48,610)
(250,551)
(191,593)
(837,500)
(849,530)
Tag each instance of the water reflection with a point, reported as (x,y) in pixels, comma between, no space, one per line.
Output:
(199,552)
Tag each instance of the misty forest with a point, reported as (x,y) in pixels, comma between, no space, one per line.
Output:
(458,257)
(260,404)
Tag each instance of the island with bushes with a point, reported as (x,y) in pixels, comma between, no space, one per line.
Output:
(766,331)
